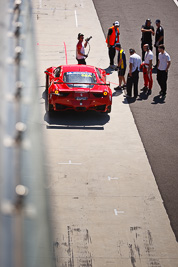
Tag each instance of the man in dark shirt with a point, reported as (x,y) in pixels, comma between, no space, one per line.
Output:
(159,38)
(147,32)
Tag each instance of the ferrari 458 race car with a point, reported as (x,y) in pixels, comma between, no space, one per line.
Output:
(77,87)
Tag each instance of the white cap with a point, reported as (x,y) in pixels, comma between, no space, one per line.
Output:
(116,23)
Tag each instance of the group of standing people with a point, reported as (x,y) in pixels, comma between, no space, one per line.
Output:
(135,65)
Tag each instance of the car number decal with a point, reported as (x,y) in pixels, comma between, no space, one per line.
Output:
(83,74)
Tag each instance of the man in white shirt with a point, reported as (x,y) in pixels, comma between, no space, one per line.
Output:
(133,75)
(164,62)
(147,68)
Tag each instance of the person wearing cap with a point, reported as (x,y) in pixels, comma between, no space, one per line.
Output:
(147,32)
(111,40)
(159,38)
(164,62)
(133,74)
(80,50)
(121,66)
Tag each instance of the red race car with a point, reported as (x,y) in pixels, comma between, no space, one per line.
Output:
(77,87)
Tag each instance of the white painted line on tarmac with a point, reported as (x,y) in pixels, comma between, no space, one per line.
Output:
(69,163)
(118,212)
(114,178)
(40,3)
(176,2)
(76,20)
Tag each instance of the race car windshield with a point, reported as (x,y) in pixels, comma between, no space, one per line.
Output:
(80,79)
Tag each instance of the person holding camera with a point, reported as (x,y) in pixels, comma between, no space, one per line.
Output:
(80,50)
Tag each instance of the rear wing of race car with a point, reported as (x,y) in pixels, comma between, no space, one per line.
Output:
(57,82)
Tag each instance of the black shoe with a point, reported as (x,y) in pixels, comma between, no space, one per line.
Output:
(124,86)
(149,92)
(144,88)
(118,88)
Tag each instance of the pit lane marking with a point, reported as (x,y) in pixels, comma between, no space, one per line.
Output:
(176,2)
(76,20)
(118,212)
(40,3)
(69,163)
(65,52)
(112,178)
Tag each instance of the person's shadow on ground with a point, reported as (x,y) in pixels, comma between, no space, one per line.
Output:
(117,93)
(143,95)
(109,70)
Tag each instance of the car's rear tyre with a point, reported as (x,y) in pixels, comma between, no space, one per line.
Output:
(49,107)
(108,109)
(47,82)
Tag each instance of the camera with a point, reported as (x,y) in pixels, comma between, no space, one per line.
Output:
(88,39)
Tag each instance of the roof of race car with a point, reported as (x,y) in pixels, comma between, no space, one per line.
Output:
(78,68)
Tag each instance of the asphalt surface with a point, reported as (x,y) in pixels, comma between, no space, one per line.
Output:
(156,120)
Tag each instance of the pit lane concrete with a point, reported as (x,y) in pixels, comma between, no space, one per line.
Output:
(106,207)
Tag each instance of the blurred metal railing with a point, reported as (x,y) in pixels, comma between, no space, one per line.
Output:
(25,238)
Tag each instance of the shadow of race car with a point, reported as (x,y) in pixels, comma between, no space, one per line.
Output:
(77,87)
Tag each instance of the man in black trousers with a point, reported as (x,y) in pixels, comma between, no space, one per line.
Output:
(164,62)
(111,40)
(147,33)
(133,75)
(159,38)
